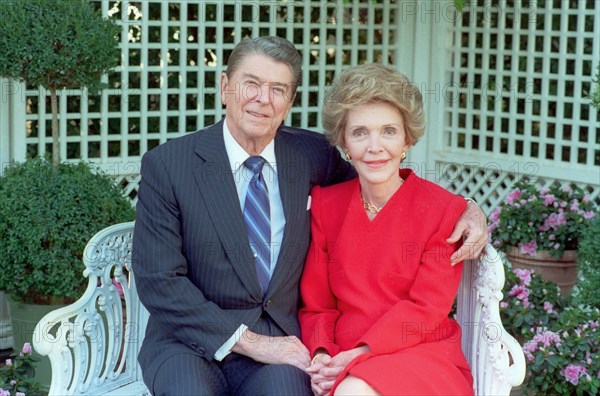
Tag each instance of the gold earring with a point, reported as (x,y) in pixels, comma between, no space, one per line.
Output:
(403,156)
(348,158)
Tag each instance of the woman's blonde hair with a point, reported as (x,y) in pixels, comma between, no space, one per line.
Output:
(368,84)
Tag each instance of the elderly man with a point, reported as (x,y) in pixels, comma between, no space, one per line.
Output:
(222,232)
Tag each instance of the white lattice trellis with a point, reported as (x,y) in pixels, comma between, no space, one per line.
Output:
(172,56)
(509,81)
(517,104)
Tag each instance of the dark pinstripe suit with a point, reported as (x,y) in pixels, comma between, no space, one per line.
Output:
(191,259)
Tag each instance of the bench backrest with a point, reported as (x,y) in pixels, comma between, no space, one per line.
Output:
(93,344)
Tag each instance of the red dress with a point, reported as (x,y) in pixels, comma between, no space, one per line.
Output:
(388,284)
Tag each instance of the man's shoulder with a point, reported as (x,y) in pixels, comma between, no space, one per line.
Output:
(181,144)
(303,136)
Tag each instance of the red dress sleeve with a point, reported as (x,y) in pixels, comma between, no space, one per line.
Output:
(319,313)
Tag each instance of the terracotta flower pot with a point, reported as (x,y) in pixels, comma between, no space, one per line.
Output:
(562,271)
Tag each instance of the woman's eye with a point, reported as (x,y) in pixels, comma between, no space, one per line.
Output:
(390,131)
(358,133)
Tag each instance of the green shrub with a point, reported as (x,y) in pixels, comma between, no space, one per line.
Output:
(588,260)
(595,94)
(47,215)
(529,302)
(56,44)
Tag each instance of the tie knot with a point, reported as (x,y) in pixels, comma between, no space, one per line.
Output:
(255,163)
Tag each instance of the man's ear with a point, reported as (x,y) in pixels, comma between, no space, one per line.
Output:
(224,84)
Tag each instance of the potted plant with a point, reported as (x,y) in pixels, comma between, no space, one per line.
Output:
(563,357)
(529,302)
(540,228)
(560,338)
(47,215)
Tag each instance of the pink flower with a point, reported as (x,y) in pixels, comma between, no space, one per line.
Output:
(513,196)
(573,372)
(19,394)
(529,248)
(521,293)
(26,349)
(548,307)
(13,382)
(524,275)
(546,337)
(549,199)
(495,215)
(529,349)
(503,304)
(589,215)
(567,189)
(554,221)
(574,205)
(9,362)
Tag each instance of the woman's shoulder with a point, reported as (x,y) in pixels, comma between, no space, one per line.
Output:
(334,192)
(428,193)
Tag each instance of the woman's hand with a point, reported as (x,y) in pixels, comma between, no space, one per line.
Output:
(325,369)
(320,384)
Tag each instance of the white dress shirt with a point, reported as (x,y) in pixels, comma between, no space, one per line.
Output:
(242,176)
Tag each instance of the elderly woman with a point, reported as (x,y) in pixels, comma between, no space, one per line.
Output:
(378,285)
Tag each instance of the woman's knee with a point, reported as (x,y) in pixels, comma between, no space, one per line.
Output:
(354,386)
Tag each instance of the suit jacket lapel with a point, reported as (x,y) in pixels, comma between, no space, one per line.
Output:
(217,187)
(292,175)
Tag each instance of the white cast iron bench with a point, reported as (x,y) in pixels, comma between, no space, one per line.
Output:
(93,343)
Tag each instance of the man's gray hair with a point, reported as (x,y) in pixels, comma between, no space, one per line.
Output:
(276,48)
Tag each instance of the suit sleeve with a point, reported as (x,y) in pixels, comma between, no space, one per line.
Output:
(319,313)
(424,314)
(160,268)
(338,170)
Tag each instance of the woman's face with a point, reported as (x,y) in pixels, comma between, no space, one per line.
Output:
(375,138)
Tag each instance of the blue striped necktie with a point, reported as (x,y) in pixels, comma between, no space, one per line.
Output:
(257,216)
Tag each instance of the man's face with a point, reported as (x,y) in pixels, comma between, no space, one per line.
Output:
(258,97)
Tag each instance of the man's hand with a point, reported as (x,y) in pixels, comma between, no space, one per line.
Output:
(473,225)
(273,350)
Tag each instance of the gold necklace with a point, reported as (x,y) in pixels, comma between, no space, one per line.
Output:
(369,207)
